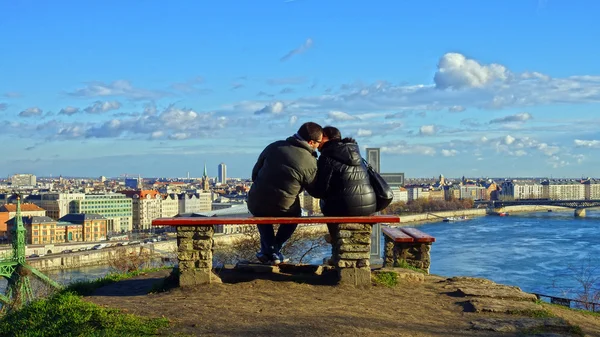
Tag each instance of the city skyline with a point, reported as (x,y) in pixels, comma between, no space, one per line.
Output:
(462,88)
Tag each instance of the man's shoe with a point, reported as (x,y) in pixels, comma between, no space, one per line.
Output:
(263,258)
(275,259)
(278,258)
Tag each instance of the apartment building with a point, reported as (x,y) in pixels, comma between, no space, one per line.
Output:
(8,212)
(169,206)
(592,189)
(522,189)
(563,189)
(145,206)
(19,180)
(115,207)
(310,204)
(195,202)
(83,227)
(400,194)
(56,205)
(474,192)
(418,192)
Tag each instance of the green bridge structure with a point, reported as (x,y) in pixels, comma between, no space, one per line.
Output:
(578,205)
(16,271)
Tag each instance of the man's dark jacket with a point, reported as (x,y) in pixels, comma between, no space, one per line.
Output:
(343,182)
(283,170)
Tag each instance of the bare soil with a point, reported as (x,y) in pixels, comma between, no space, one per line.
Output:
(267,304)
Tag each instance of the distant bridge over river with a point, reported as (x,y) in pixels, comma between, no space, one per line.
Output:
(578,205)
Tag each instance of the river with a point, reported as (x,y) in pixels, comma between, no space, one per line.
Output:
(531,250)
(541,252)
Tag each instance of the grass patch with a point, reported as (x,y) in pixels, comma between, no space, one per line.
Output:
(403,264)
(386,278)
(85,288)
(573,330)
(66,314)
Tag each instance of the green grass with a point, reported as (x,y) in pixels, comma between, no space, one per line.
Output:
(85,288)
(66,314)
(388,279)
(405,265)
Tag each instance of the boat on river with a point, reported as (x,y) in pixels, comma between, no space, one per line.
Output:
(455,218)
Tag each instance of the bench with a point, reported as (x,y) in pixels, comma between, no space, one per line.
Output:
(352,248)
(407,246)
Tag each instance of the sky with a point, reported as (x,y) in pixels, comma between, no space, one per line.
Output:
(158,89)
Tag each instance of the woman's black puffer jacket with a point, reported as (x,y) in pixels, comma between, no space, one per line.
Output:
(342,180)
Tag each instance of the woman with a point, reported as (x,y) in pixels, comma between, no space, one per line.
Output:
(342,181)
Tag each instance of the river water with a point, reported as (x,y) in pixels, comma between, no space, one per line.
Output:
(535,251)
(542,252)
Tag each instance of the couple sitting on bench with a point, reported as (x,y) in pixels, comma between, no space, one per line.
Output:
(286,168)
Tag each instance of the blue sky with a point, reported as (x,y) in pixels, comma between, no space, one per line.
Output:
(475,88)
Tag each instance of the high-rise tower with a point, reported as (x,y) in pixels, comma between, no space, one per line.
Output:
(222,173)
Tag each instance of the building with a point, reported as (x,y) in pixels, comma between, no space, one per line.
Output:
(310,204)
(8,212)
(563,189)
(93,227)
(146,206)
(521,189)
(115,207)
(56,205)
(472,191)
(222,175)
(393,179)
(169,206)
(134,183)
(418,192)
(235,211)
(23,180)
(400,194)
(374,160)
(205,180)
(195,202)
(592,189)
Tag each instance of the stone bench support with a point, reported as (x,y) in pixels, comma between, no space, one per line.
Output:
(414,254)
(195,246)
(351,253)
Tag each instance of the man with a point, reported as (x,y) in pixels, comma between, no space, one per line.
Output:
(283,170)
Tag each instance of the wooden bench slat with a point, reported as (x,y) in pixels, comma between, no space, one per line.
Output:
(397,235)
(205,221)
(418,235)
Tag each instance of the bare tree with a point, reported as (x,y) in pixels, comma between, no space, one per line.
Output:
(125,260)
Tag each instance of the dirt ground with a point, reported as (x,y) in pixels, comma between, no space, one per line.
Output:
(251,304)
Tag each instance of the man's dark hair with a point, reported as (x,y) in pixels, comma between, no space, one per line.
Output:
(310,131)
(332,133)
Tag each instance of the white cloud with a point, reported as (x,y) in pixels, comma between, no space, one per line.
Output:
(457,108)
(587,143)
(121,88)
(272,108)
(70,110)
(404,148)
(449,153)
(293,119)
(31,112)
(521,117)
(509,139)
(304,47)
(364,133)
(340,116)
(100,107)
(427,130)
(455,71)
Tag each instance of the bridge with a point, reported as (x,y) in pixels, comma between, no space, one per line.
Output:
(579,205)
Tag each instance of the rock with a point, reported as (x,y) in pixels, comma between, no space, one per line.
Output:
(496,291)
(256,268)
(516,324)
(503,306)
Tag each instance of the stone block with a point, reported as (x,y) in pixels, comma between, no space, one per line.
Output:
(203,264)
(354,255)
(357,277)
(204,255)
(356,238)
(182,234)
(184,245)
(355,226)
(194,277)
(351,233)
(202,244)
(354,248)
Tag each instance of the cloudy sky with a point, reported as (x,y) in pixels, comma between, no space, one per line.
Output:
(475,88)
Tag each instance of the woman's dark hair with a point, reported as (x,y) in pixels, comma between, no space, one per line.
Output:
(332,133)
(310,131)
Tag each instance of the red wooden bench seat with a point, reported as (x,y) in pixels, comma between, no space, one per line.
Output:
(407,234)
(215,220)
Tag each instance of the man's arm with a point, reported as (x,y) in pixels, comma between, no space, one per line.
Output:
(319,187)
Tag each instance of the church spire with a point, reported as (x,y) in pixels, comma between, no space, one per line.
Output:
(205,175)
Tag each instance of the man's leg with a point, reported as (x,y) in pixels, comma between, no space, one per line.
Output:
(267,242)
(283,234)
